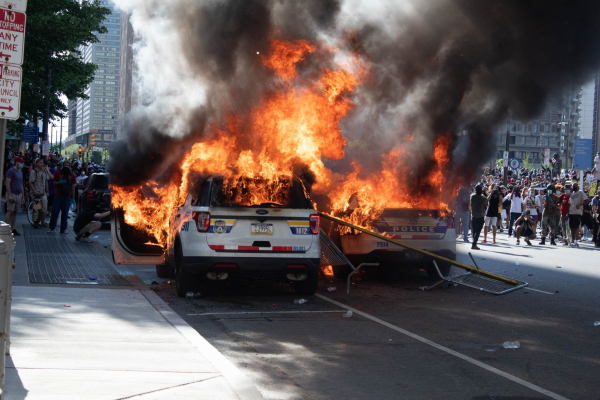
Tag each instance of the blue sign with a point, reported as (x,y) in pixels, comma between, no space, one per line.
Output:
(514,163)
(583,154)
(31,134)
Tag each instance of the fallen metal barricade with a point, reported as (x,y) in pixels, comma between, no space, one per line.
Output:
(332,255)
(475,277)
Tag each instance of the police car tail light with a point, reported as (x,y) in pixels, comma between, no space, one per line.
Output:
(315,223)
(450,222)
(202,220)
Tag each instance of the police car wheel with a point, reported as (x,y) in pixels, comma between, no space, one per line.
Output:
(184,281)
(308,286)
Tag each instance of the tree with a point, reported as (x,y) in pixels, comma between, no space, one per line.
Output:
(526,163)
(55,30)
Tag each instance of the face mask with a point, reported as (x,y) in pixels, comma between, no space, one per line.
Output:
(20,166)
(567,191)
(531,193)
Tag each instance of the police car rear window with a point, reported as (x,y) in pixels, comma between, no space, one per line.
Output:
(408,213)
(289,195)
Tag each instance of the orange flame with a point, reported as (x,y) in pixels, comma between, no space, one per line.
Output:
(297,123)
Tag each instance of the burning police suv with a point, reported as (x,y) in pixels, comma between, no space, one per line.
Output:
(213,236)
(424,229)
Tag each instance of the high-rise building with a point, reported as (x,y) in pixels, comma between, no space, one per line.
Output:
(555,129)
(98,115)
(590,114)
(127,92)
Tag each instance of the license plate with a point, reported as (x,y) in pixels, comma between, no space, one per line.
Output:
(412,255)
(262,229)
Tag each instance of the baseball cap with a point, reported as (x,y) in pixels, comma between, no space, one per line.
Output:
(18,159)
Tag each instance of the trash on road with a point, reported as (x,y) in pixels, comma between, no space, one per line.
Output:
(511,345)
(96,237)
(597,323)
(93,278)
(423,288)
(517,263)
(331,289)
(348,314)
(300,301)
(66,306)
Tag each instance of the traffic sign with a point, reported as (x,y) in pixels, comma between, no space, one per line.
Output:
(31,133)
(514,164)
(10,91)
(547,153)
(45,147)
(12,36)
(505,154)
(14,5)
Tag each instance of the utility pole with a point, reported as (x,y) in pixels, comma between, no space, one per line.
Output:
(506,149)
(47,105)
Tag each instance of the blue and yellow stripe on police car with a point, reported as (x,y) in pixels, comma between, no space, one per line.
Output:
(221,225)
(300,227)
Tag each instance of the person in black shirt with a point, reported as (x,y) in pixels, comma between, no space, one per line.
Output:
(491,216)
(88,222)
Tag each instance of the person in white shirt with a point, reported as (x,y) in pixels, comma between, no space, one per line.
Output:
(532,204)
(81,178)
(576,202)
(516,208)
(540,199)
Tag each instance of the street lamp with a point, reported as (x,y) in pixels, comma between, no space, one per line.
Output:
(565,124)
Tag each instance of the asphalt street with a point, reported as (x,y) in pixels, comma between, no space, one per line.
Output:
(403,342)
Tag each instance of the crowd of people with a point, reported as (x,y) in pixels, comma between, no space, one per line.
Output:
(548,202)
(48,185)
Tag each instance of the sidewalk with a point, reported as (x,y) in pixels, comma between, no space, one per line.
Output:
(73,342)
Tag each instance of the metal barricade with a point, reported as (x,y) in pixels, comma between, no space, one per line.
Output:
(332,255)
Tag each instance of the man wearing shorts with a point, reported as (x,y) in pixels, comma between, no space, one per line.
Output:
(38,184)
(88,222)
(525,227)
(563,200)
(576,203)
(14,193)
(491,215)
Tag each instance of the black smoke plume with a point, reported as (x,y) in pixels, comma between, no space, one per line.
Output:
(435,68)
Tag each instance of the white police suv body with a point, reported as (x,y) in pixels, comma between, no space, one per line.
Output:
(212,239)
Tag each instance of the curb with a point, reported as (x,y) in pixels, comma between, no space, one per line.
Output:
(238,381)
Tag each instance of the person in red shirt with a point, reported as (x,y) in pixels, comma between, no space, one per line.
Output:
(64,191)
(563,200)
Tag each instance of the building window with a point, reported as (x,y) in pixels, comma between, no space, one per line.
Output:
(512,140)
(541,128)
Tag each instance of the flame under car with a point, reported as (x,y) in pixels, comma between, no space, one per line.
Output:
(217,235)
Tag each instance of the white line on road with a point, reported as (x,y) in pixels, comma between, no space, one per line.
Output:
(447,350)
(265,312)
(537,290)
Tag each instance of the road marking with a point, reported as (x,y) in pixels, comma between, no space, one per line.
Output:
(265,312)
(447,350)
(537,290)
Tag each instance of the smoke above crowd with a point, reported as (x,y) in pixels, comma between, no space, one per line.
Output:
(445,71)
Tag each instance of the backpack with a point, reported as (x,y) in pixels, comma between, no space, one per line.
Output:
(64,187)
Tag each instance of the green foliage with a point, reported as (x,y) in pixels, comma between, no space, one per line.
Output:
(68,151)
(499,162)
(526,163)
(55,30)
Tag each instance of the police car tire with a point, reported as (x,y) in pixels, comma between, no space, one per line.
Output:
(184,281)
(308,286)
(164,271)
